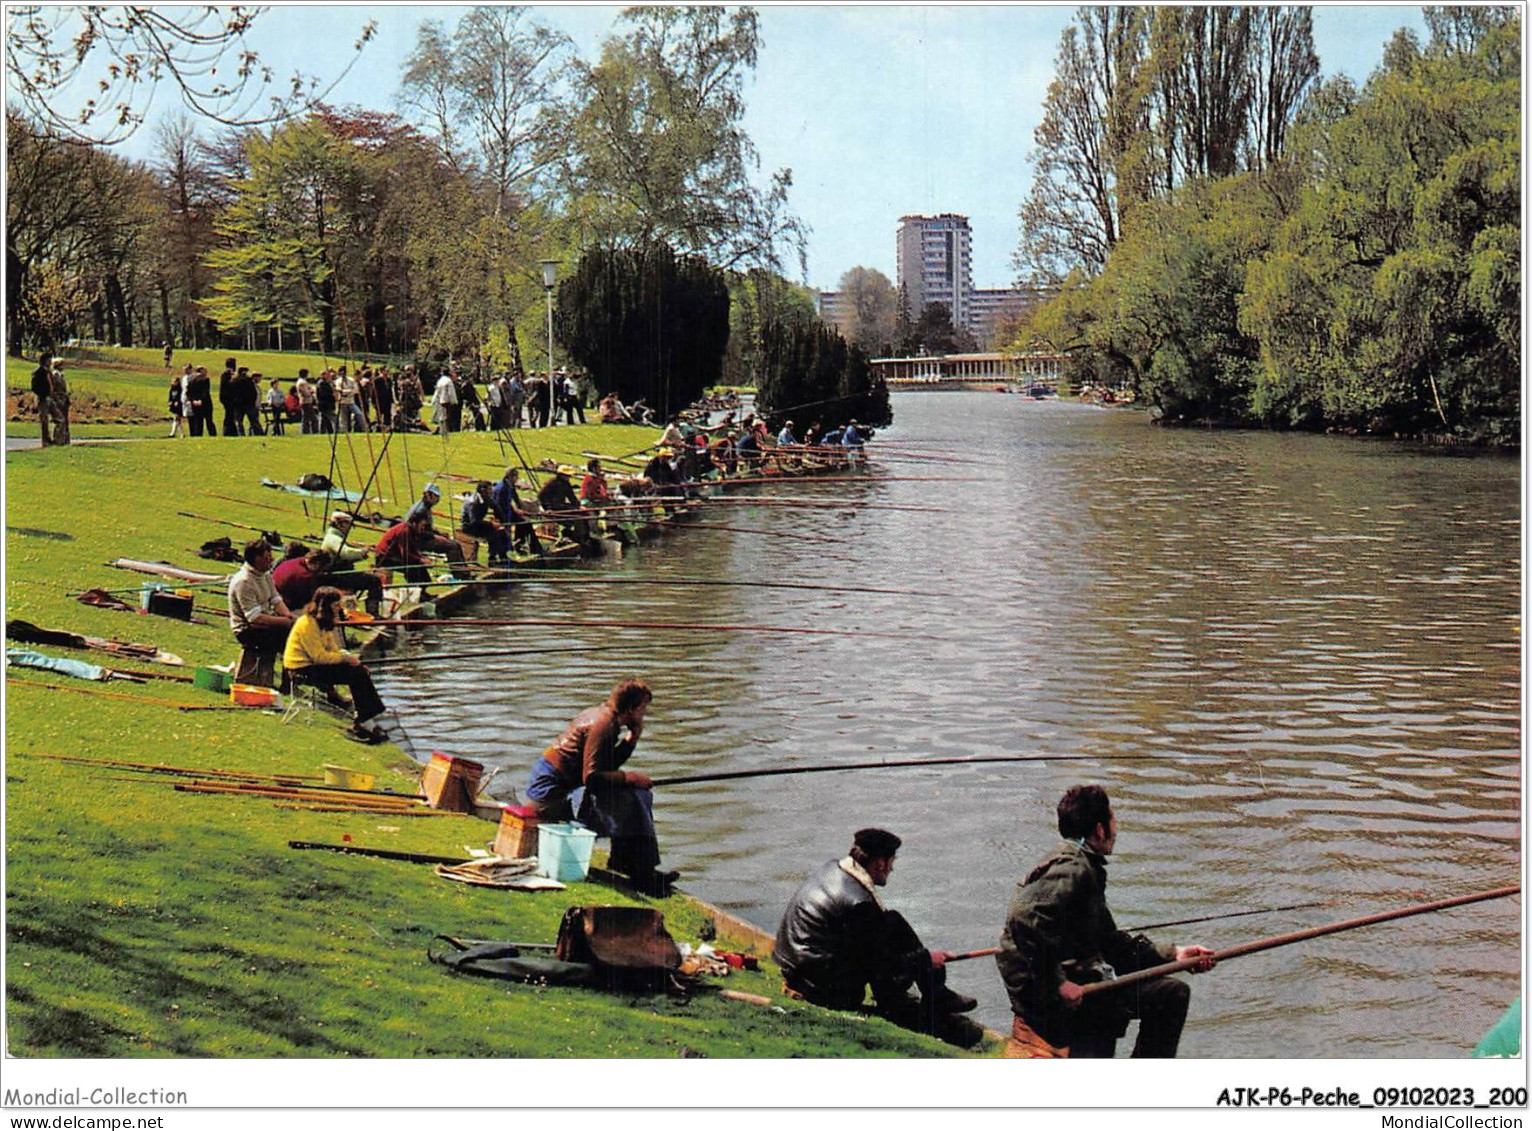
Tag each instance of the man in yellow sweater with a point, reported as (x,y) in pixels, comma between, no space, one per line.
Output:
(314,656)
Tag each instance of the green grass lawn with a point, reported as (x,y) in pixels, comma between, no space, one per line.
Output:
(142,921)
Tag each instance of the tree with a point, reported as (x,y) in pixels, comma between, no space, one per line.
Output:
(934,331)
(88,73)
(1284,69)
(1088,145)
(645,322)
(659,151)
(873,304)
(491,92)
(813,372)
(758,297)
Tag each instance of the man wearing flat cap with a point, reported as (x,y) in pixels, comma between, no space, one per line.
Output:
(836,939)
(434,543)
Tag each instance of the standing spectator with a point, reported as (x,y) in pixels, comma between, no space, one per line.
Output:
(537,402)
(446,411)
(516,396)
(58,403)
(346,391)
(383,398)
(169,349)
(42,389)
(494,398)
(364,396)
(276,405)
(226,398)
(247,402)
(468,397)
(173,403)
(574,399)
(308,403)
(324,396)
(199,393)
(411,399)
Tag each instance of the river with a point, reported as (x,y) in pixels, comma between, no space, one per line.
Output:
(1317,640)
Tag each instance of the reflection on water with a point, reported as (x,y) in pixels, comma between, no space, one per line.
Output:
(1317,638)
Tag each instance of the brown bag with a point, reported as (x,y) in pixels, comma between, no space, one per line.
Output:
(618,938)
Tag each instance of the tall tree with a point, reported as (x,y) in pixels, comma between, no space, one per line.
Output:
(659,150)
(492,94)
(1284,68)
(1088,145)
(873,306)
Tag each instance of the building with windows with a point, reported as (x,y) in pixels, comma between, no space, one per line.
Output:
(832,310)
(935,264)
(990,310)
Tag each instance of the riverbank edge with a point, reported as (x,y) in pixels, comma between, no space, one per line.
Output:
(185,926)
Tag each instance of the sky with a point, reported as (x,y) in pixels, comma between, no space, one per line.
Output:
(878,110)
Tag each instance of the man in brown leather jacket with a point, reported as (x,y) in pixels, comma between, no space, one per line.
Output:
(1059,935)
(836,939)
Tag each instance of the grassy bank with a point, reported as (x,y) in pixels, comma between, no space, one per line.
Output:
(143,921)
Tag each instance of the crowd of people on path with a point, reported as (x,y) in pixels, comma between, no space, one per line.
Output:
(335,400)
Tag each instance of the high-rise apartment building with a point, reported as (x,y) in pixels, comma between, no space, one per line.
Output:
(935,263)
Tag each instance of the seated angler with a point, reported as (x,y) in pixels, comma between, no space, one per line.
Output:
(478,521)
(836,939)
(581,775)
(400,548)
(594,491)
(506,501)
(433,542)
(346,573)
(661,474)
(314,655)
(297,578)
(557,498)
(258,615)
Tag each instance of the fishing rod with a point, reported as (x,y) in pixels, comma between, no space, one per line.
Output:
(990,951)
(477,653)
(473,622)
(971,760)
(821,504)
(693,524)
(1295,937)
(579,578)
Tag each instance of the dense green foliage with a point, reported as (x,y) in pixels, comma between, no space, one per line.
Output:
(813,373)
(646,323)
(1368,279)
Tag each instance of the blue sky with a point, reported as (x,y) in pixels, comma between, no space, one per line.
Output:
(879,110)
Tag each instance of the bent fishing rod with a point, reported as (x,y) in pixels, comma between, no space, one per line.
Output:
(1295,937)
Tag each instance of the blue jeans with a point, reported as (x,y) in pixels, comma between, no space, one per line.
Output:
(622,813)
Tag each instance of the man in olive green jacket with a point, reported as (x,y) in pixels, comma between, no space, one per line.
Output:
(1059,936)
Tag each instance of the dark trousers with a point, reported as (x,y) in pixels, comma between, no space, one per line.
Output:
(360,581)
(626,815)
(203,418)
(415,574)
(250,419)
(262,644)
(355,677)
(231,422)
(1159,1005)
(498,539)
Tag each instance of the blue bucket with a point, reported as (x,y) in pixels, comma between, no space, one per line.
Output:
(563,850)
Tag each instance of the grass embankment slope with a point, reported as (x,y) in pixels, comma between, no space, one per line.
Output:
(148,922)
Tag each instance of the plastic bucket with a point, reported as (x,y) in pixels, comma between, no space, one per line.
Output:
(248,695)
(212,679)
(563,850)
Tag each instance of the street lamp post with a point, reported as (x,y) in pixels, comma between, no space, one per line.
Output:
(550,276)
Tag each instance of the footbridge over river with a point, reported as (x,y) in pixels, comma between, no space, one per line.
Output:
(970,370)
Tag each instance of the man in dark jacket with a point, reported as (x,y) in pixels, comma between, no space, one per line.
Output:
(836,939)
(1059,936)
(200,390)
(229,399)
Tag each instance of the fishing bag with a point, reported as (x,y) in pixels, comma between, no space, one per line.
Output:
(505,960)
(219,550)
(313,481)
(628,946)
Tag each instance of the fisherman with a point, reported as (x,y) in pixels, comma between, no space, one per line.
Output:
(478,521)
(400,548)
(436,543)
(314,655)
(558,498)
(297,578)
(785,437)
(258,615)
(662,474)
(581,775)
(349,576)
(836,938)
(1059,936)
(508,509)
(594,491)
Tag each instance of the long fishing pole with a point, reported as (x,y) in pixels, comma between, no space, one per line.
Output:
(483,652)
(694,524)
(816,504)
(990,951)
(971,760)
(686,626)
(1295,937)
(575,577)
